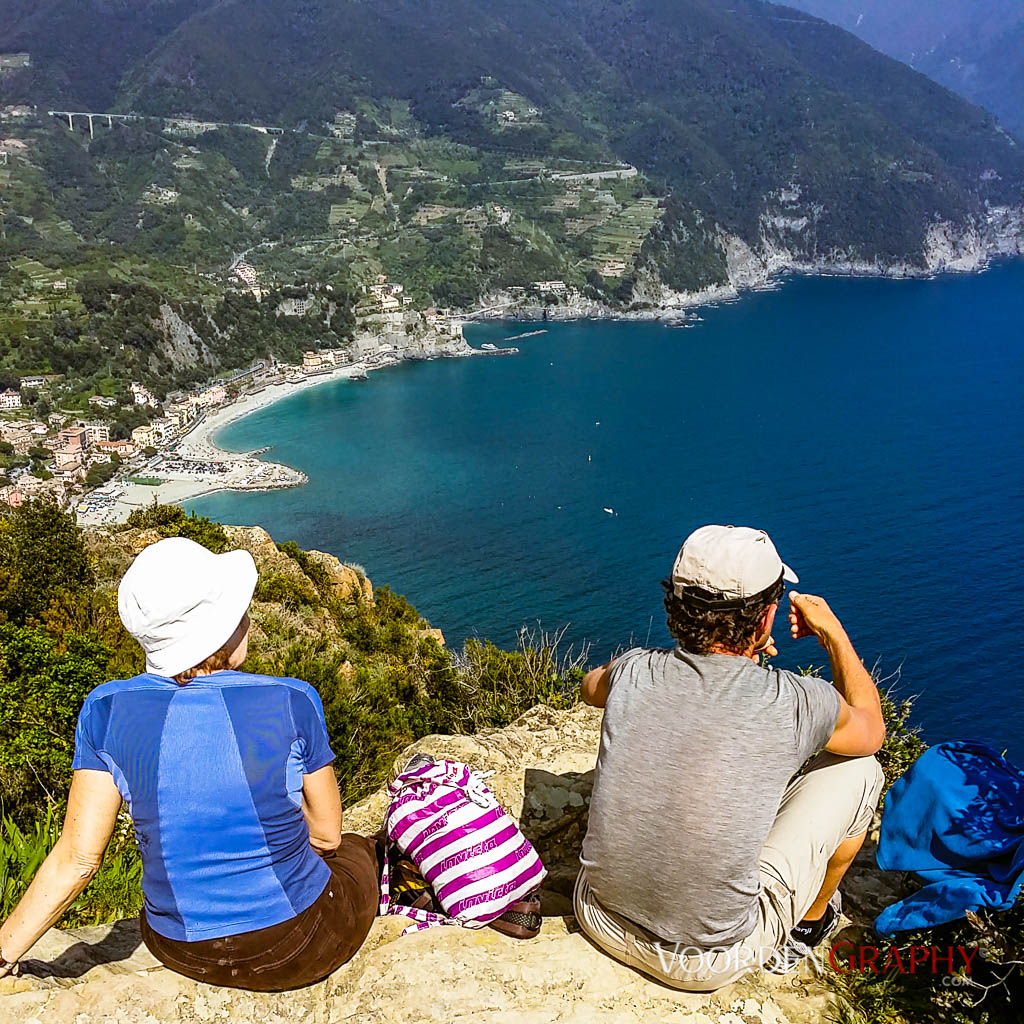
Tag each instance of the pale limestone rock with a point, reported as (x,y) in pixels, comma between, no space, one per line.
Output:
(542,766)
(346,583)
(434,634)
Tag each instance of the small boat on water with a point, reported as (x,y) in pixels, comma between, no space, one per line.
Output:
(610,511)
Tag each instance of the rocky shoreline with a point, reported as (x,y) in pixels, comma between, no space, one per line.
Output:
(947,249)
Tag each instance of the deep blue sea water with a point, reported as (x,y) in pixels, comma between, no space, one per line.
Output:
(874,428)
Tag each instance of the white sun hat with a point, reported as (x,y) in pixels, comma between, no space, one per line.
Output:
(183,602)
(731,562)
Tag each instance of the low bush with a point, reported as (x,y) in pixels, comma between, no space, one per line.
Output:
(172,521)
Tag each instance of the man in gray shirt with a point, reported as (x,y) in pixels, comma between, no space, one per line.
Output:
(705,857)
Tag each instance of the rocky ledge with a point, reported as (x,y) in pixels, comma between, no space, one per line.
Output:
(542,773)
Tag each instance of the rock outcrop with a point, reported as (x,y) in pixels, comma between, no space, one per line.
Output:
(542,768)
(115,550)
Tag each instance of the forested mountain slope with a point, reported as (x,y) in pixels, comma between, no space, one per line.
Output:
(757,124)
(975,48)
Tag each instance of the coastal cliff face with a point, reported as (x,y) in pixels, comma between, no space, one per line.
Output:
(543,765)
(787,243)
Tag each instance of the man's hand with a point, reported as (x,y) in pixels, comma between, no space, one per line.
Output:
(811,616)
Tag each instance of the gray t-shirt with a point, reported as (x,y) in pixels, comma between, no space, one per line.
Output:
(696,751)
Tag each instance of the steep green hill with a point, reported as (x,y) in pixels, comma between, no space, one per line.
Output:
(976,49)
(471,146)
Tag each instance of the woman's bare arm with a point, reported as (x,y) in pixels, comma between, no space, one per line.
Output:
(321,805)
(93,804)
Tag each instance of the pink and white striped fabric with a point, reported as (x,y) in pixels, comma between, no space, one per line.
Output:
(465,844)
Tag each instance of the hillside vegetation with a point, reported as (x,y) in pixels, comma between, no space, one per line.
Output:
(975,49)
(744,115)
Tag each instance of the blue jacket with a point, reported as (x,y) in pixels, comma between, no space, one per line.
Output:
(956,820)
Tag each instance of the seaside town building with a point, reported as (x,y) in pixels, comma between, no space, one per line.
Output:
(17,435)
(384,297)
(74,440)
(37,381)
(180,415)
(209,397)
(311,362)
(552,287)
(67,463)
(103,402)
(142,395)
(29,488)
(144,436)
(10,400)
(125,449)
(96,432)
(163,430)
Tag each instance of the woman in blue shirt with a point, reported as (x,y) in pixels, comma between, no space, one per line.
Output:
(247,878)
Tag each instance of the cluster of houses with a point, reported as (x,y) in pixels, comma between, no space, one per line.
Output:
(74,450)
(76,447)
(391,329)
(383,297)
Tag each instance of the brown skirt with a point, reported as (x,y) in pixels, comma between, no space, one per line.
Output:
(296,952)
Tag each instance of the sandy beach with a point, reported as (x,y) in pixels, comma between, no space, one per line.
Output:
(198,466)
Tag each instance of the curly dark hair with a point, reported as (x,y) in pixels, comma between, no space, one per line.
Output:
(698,621)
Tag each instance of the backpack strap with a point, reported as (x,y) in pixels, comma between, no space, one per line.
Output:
(419,919)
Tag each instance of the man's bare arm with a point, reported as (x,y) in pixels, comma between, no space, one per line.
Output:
(860,728)
(595,685)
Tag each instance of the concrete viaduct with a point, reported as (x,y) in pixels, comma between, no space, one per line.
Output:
(184,122)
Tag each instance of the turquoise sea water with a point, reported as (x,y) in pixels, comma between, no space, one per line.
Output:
(874,428)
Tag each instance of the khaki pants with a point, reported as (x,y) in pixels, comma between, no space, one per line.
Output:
(833,801)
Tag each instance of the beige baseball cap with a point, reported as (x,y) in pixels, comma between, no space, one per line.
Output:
(182,602)
(733,562)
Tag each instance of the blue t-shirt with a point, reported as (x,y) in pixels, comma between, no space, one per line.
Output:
(212,775)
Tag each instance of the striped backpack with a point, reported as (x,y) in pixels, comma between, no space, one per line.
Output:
(468,849)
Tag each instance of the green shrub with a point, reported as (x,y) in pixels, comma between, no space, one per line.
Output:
(276,588)
(501,685)
(319,576)
(42,555)
(171,521)
(43,682)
